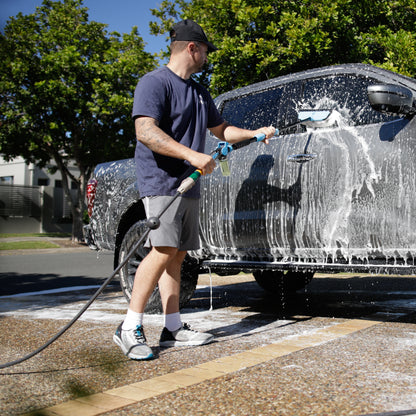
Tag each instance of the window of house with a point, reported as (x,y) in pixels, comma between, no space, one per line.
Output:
(6,180)
(43,181)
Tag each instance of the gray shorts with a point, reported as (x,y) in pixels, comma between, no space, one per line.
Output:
(179,225)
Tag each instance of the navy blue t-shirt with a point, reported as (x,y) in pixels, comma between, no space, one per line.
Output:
(184,110)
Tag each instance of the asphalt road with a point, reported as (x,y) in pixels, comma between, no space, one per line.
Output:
(60,268)
(344,346)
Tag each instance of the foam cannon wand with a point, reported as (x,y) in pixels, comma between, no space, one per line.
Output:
(308,118)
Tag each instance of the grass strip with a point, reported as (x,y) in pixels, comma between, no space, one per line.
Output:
(11,235)
(23,245)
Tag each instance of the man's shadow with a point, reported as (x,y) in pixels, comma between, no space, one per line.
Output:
(252,216)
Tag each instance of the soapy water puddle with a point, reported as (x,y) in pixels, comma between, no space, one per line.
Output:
(226,322)
(231,303)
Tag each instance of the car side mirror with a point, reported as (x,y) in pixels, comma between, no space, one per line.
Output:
(392,98)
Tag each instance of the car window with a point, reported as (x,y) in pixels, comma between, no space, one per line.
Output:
(279,106)
(274,106)
(348,95)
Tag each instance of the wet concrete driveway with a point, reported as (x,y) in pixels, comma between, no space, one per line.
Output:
(344,346)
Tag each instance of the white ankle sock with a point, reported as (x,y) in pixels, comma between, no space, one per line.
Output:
(173,321)
(132,319)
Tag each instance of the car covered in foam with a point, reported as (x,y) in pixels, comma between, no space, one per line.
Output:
(319,198)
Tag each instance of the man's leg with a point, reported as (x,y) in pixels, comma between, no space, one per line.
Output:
(176,334)
(129,335)
(170,284)
(148,274)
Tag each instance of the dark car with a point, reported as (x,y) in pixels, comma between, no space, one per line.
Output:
(350,205)
(333,197)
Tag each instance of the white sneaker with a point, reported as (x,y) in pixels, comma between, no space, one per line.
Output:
(184,336)
(133,343)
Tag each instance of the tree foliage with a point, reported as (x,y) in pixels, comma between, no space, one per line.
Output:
(262,39)
(66,85)
(66,90)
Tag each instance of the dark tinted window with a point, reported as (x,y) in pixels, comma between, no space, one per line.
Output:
(277,107)
(347,94)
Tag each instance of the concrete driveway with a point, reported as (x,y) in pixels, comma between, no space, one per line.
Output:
(344,346)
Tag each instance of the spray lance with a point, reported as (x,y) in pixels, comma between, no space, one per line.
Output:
(308,118)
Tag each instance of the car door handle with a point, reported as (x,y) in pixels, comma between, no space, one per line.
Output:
(301,157)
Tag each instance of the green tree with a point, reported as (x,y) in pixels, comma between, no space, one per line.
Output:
(262,39)
(66,91)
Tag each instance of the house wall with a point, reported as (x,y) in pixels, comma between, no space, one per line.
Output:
(18,170)
(48,211)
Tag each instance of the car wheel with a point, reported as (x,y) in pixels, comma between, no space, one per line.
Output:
(279,282)
(189,274)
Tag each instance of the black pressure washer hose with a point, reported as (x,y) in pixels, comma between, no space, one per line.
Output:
(152,224)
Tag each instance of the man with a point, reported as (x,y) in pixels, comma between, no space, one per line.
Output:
(171,114)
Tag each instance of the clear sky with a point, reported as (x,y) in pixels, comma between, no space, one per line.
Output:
(120,15)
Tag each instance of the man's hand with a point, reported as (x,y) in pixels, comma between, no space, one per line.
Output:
(205,163)
(269,132)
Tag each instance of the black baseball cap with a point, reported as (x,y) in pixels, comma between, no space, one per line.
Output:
(188,30)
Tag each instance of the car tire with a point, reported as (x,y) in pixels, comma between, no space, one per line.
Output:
(281,282)
(189,273)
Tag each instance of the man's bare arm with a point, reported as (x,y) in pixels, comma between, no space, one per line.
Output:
(153,137)
(233,134)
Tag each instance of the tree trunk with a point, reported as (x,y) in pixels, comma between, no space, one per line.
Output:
(76,204)
(78,208)
(77,225)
